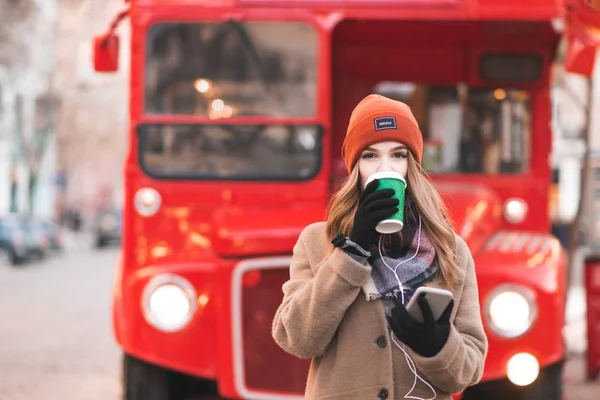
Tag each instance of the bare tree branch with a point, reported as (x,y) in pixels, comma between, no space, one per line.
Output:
(15,19)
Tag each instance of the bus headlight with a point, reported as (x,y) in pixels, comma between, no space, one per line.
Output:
(515,210)
(511,311)
(168,302)
(522,369)
(147,201)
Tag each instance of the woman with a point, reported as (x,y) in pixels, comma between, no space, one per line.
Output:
(367,346)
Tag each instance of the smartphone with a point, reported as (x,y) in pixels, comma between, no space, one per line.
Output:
(438,300)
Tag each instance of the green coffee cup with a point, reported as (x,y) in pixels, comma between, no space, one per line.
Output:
(395,181)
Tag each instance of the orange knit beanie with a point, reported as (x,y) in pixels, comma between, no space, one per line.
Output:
(378,119)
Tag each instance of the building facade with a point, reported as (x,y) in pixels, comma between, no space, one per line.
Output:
(92,120)
(28,101)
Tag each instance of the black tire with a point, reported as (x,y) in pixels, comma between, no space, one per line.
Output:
(547,387)
(8,256)
(100,243)
(42,255)
(144,381)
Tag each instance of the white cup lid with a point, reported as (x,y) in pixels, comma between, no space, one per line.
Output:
(385,174)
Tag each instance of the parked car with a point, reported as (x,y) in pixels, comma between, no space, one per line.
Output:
(12,246)
(28,234)
(106,227)
(37,243)
(54,233)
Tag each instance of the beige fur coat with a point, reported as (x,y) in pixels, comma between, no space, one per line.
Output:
(325,316)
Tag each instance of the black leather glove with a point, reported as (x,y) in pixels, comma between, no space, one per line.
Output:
(373,207)
(426,338)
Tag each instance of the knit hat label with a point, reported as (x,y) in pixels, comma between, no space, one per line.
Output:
(385,123)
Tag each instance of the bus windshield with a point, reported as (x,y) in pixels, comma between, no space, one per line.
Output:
(469,129)
(234,152)
(226,69)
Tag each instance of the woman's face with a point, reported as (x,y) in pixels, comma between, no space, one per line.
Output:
(382,157)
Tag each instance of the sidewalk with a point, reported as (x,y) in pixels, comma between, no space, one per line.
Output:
(576,385)
(76,242)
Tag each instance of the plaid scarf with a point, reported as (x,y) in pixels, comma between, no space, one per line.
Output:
(415,267)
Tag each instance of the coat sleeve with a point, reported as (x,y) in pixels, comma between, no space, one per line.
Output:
(460,362)
(314,303)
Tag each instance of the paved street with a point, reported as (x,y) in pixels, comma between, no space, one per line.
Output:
(55,337)
(56,341)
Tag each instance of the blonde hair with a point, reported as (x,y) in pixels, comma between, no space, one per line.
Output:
(430,207)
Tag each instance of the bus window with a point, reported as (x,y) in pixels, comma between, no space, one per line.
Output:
(468,129)
(238,152)
(231,69)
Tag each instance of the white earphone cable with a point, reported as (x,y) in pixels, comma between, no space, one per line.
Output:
(409,361)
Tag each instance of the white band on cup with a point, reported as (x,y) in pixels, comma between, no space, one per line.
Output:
(386,174)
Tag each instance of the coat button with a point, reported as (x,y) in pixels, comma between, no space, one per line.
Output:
(383,394)
(381,341)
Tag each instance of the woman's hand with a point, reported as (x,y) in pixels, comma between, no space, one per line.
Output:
(426,338)
(373,206)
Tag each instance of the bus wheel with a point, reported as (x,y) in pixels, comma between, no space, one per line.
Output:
(143,381)
(548,386)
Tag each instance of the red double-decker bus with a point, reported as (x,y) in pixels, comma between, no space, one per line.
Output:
(238,112)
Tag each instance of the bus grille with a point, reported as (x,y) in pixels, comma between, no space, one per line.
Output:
(267,368)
